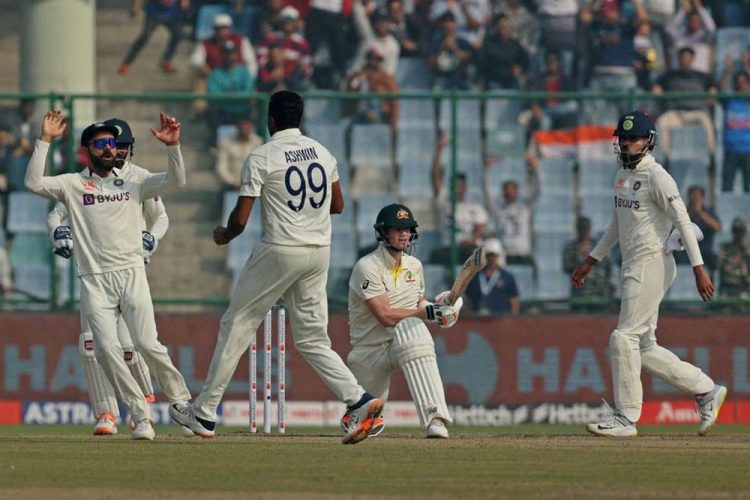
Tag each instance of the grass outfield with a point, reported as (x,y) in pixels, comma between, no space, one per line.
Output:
(511,462)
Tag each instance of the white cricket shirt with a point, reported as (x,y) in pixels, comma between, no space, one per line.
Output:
(647,205)
(105,213)
(292,174)
(373,275)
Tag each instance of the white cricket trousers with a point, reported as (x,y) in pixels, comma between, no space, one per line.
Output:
(103,298)
(632,344)
(299,275)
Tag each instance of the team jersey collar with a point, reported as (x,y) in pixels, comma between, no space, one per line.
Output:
(390,261)
(283,134)
(645,163)
(90,173)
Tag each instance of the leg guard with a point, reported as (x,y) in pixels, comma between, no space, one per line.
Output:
(101,392)
(414,350)
(139,370)
(625,356)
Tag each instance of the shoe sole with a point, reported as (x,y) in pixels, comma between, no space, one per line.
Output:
(599,434)
(723,396)
(142,438)
(202,434)
(104,432)
(363,431)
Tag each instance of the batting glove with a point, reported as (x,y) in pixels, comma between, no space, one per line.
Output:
(443,298)
(443,315)
(149,246)
(62,238)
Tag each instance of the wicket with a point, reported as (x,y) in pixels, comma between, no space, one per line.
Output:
(268,373)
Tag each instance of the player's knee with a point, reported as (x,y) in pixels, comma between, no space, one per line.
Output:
(620,342)
(412,340)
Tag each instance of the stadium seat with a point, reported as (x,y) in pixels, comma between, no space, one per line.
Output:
(556,177)
(427,243)
(241,247)
(230,201)
(599,208)
(245,20)
(368,207)
(331,135)
(416,112)
(414,181)
(729,206)
(549,251)
(416,144)
(224,132)
(683,287)
(323,111)
(688,173)
(33,279)
(343,248)
(412,74)
(596,177)
(27,212)
(554,213)
(500,112)
(730,41)
(554,285)
(689,143)
(524,276)
(434,279)
(371,146)
(506,142)
(468,114)
(204,22)
(30,249)
(337,287)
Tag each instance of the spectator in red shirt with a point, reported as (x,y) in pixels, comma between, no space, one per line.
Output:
(295,47)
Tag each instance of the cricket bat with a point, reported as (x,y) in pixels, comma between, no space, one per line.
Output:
(475,263)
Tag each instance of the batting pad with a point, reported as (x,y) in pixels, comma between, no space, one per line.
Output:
(666,365)
(414,350)
(139,370)
(101,392)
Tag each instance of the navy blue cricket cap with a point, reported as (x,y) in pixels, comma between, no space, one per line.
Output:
(93,129)
(125,135)
(635,124)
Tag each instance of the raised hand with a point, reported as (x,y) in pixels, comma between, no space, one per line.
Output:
(169,130)
(53,125)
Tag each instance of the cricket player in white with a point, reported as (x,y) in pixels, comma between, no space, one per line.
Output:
(105,210)
(387,311)
(296,179)
(647,206)
(156,223)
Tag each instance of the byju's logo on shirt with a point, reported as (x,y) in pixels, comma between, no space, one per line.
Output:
(93,199)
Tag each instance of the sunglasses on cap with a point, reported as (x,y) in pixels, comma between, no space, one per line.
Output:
(107,141)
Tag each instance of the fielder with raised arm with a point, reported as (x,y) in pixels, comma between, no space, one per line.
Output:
(647,206)
(105,211)
(155,225)
(297,182)
(387,311)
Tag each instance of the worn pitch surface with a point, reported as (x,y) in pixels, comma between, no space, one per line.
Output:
(524,461)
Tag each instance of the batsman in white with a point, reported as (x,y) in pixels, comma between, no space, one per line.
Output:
(155,224)
(105,211)
(297,182)
(387,311)
(647,206)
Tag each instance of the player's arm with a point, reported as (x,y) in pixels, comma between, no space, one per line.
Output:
(600,251)
(56,217)
(237,221)
(53,126)
(380,307)
(337,198)
(155,215)
(157,184)
(667,196)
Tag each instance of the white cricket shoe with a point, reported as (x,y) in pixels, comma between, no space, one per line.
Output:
(616,425)
(709,406)
(143,431)
(106,425)
(182,413)
(437,429)
(362,420)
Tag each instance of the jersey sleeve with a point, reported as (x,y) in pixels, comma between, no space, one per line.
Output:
(365,281)
(667,196)
(154,185)
(155,217)
(420,277)
(254,173)
(56,217)
(334,169)
(608,241)
(45,185)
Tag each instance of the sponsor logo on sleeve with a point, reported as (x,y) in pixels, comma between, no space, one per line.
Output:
(365,284)
(637,185)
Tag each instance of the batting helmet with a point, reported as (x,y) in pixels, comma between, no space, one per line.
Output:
(395,215)
(635,124)
(125,135)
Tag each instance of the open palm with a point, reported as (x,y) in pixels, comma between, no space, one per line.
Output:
(54,124)
(169,130)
